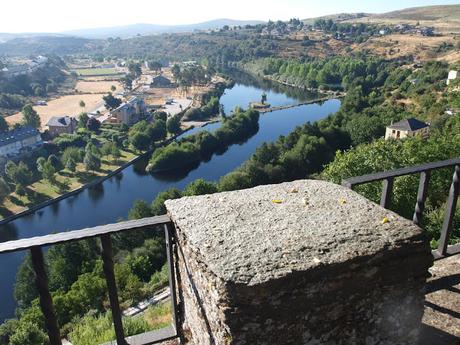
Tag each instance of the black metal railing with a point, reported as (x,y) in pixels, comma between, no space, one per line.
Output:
(36,244)
(424,170)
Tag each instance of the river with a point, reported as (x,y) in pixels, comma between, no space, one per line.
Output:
(112,199)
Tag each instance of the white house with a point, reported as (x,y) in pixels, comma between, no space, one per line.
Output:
(407,128)
(19,140)
(452,76)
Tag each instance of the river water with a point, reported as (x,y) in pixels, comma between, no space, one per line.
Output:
(112,199)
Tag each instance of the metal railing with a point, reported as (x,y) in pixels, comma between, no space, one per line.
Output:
(444,249)
(104,233)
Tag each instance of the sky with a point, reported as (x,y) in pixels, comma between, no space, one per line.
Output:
(61,15)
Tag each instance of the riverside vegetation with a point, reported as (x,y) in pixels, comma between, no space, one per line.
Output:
(348,143)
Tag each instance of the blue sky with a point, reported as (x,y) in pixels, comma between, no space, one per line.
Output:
(61,15)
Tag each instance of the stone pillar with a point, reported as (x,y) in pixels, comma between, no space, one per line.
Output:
(305,262)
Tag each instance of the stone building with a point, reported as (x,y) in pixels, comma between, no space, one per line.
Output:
(20,140)
(407,128)
(58,125)
(130,112)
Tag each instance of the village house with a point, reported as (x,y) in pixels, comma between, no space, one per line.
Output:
(160,81)
(61,124)
(130,112)
(19,140)
(407,128)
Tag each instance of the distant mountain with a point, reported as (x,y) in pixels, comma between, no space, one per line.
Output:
(150,29)
(5,37)
(42,45)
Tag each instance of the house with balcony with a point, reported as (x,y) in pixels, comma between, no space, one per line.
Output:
(407,128)
(129,112)
(58,125)
(20,140)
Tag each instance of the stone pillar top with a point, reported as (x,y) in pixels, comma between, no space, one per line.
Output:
(255,235)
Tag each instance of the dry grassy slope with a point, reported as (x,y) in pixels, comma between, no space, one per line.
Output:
(445,18)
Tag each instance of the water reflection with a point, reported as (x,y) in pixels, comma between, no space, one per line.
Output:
(9,233)
(96,193)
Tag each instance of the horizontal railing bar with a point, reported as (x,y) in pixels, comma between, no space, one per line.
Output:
(451,250)
(27,243)
(353,181)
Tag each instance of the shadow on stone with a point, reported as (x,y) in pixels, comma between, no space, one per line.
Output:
(433,336)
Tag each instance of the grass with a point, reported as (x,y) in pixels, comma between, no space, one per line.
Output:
(66,181)
(88,72)
(92,330)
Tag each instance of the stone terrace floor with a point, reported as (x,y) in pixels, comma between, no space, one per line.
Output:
(442,305)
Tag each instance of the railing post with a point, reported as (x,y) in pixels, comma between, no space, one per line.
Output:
(386,192)
(421,196)
(450,211)
(46,302)
(172,283)
(107,257)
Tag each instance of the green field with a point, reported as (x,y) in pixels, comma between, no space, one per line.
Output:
(90,72)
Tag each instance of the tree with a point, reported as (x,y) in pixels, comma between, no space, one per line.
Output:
(3,125)
(71,165)
(82,104)
(200,187)
(127,82)
(55,162)
(135,69)
(263,98)
(115,152)
(173,125)
(24,292)
(28,333)
(48,172)
(40,162)
(154,65)
(139,210)
(160,115)
(30,117)
(113,88)
(93,124)
(158,205)
(157,131)
(83,120)
(10,171)
(106,148)
(140,141)
(4,189)
(111,102)
(175,70)
(91,161)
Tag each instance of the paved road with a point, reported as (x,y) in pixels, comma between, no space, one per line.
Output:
(146,303)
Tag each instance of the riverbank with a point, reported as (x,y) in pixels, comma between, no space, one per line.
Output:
(83,186)
(320,90)
(112,199)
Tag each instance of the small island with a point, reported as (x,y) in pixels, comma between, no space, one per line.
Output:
(260,105)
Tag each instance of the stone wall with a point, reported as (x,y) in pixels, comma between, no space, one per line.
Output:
(305,262)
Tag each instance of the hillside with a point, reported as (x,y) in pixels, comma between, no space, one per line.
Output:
(444,18)
(149,29)
(45,45)
(443,12)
